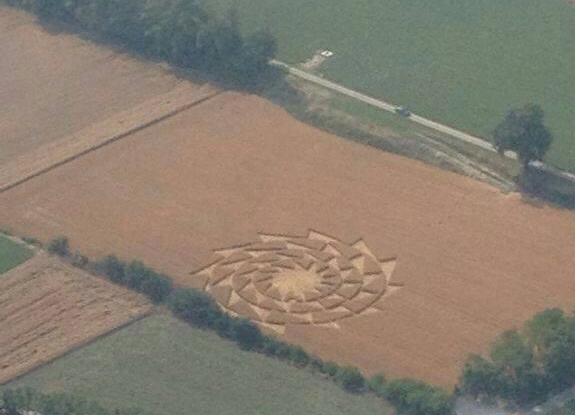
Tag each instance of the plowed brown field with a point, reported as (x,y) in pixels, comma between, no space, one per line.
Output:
(48,308)
(472,261)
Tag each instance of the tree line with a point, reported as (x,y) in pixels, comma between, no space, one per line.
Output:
(180,32)
(200,310)
(524,367)
(25,401)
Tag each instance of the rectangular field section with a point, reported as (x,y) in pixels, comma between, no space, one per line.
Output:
(48,307)
(167,367)
(12,254)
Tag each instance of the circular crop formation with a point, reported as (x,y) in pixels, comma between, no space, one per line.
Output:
(284,280)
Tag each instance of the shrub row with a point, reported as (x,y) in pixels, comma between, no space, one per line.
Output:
(28,401)
(528,365)
(134,275)
(180,32)
(199,309)
(137,276)
(413,397)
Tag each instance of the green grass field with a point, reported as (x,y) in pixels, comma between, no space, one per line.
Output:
(166,367)
(12,254)
(460,62)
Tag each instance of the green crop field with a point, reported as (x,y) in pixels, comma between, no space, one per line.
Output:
(166,367)
(12,254)
(460,62)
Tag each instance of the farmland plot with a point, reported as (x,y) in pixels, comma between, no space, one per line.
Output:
(47,308)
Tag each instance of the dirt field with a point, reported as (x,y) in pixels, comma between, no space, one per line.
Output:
(57,89)
(48,308)
(468,261)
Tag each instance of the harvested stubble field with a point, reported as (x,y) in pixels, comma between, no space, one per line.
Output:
(472,261)
(47,308)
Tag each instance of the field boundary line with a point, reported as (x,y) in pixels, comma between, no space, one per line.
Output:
(81,345)
(76,145)
(389,107)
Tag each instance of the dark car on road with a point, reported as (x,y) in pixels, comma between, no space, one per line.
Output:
(404,112)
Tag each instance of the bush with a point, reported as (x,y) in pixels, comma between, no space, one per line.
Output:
(112,268)
(288,352)
(480,377)
(270,346)
(525,366)
(223,326)
(247,334)
(298,356)
(417,398)
(376,383)
(350,379)
(137,276)
(330,368)
(316,364)
(157,287)
(59,246)
(79,260)
(195,307)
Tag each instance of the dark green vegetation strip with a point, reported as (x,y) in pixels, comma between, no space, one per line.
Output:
(12,254)
(461,62)
(167,367)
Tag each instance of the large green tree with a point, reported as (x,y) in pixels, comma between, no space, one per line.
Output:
(524,132)
(480,377)
(527,365)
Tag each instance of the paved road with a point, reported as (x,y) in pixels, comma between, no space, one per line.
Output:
(386,106)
